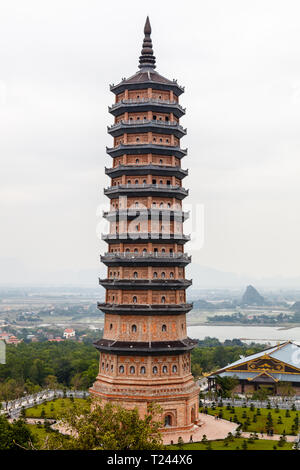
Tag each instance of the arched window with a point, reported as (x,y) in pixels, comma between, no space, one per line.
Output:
(163,250)
(163,300)
(134,299)
(129,182)
(160,162)
(136,182)
(174,369)
(143,370)
(102,365)
(164,328)
(163,275)
(136,250)
(171,275)
(121,369)
(137,161)
(133,328)
(168,420)
(111,326)
(161,205)
(165,369)
(136,204)
(132,370)
(155,370)
(135,275)
(145,250)
(154,275)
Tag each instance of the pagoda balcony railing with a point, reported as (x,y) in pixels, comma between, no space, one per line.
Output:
(146,147)
(152,211)
(146,166)
(131,282)
(145,235)
(165,187)
(146,100)
(148,254)
(182,306)
(140,122)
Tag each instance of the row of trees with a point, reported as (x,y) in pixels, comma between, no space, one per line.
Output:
(31,367)
(211,354)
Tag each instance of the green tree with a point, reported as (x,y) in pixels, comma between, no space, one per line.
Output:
(14,436)
(226,385)
(109,427)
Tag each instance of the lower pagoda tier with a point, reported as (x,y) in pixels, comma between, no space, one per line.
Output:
(136,381)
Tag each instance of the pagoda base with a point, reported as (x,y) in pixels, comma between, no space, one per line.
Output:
(179,402)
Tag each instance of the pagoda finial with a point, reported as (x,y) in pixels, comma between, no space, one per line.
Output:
(147,59)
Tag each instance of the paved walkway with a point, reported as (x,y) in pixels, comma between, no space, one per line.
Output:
(211,427)
(275,437)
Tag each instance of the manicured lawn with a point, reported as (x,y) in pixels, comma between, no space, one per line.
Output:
(53,409)
(261,420)
(259,444)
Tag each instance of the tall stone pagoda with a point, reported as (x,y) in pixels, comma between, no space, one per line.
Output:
(145,352)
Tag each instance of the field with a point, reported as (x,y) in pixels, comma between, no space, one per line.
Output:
(237,444)
(258,422)
(52,409)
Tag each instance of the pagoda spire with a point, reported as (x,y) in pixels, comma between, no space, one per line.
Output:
(147,59)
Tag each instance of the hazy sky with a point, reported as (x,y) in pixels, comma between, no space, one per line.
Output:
(240,64)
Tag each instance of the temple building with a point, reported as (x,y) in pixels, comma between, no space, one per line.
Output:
(269,369)
(145,351)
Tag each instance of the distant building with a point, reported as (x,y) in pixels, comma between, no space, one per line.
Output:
(69,333)
(13,340)
(267,369)
(56,340)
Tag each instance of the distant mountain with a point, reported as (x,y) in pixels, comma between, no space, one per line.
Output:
(252,297)
(296,306)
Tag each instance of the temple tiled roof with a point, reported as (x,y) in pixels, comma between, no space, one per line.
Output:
(287,352)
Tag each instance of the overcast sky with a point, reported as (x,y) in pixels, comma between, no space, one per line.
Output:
(240,64)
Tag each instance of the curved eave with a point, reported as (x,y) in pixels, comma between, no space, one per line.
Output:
(144,85)
(142,106)
(139,237)
(141,149)
(140,284)
(114,216)
(146,190)
(145,309)
(147,348)
(155,170)
(144,261)
(157,127)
